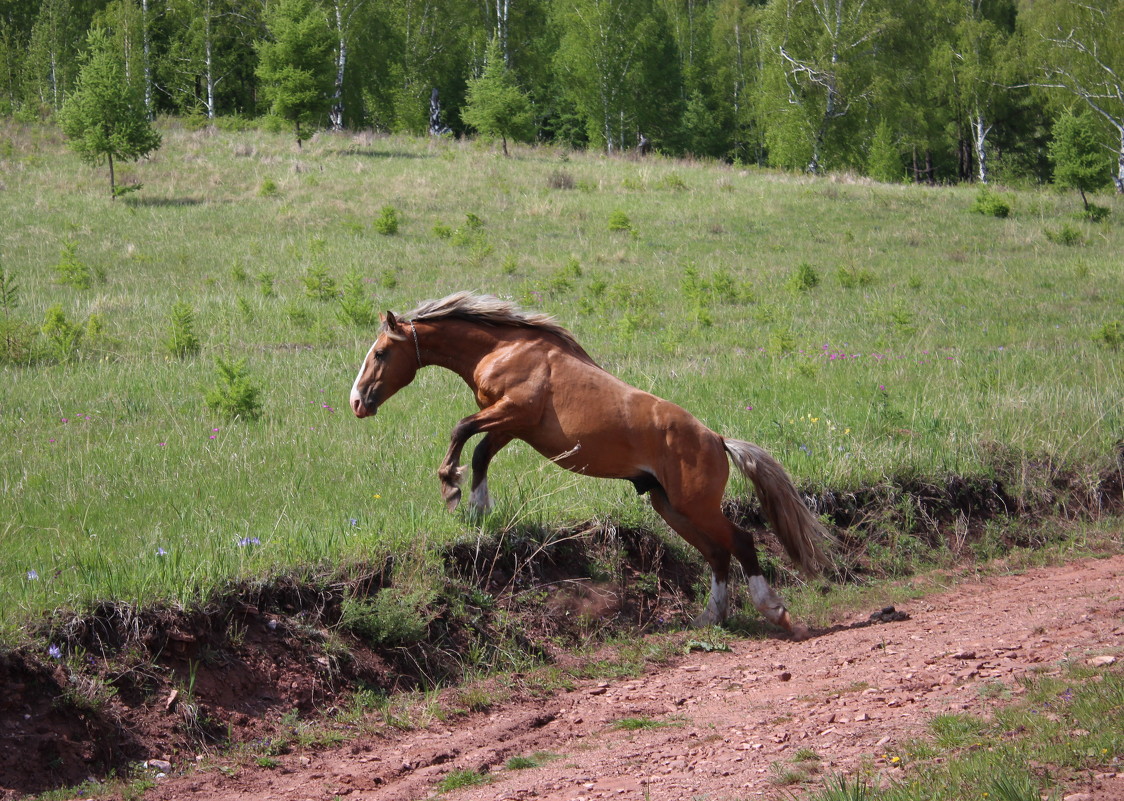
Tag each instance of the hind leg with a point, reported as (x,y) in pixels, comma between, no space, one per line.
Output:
(717,538)
(765,598)
(717,556)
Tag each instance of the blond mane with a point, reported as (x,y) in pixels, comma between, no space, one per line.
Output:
(490,310)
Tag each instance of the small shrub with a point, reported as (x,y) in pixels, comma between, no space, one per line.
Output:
(1094,213)
(560,179)
(63,336)
(442,231)
(387,221)
(388,278)
(673,182)
(182,339)
(1066,235)
(265,283)
(854,277)
(318,284)
(234,395)
(390,618)
(238,273)
(268,188)
(1111,335)
(991,204)
(244,309)
(619,221)
(73,272)
(17,342)
(509,266)
(355,308)
(299,316)
(804,278)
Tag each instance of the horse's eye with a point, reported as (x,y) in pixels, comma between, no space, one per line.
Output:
(380,355)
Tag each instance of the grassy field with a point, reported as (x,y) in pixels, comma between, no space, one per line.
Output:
(858,331)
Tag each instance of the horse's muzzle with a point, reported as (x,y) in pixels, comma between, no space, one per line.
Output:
(362,409)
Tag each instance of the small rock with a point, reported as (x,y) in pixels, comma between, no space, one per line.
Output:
(599,691)
(964,655)
(160,765)
(1101,661)
(1078,797)
(862,716)
(305,761)
(785,676)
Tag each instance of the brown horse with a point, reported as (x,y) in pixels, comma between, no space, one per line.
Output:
(534,382)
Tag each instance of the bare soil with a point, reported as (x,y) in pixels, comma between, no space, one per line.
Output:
(729,722)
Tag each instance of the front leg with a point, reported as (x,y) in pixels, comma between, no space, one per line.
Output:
(479,500)
(492,419)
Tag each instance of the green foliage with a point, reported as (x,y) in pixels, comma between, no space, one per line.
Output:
(234,394)
(854,277)
(1065,235)
(104,117)
(1080,161)
(990,203)
(387,221)
(459,779)
(266,280)
(63,335)
(356,307)
(494,103)
(1111,335)
(72,271)
(884,161)
(1094,213)
(268,188)
(182,339)
(16,336)
(319,284)
(295,63)
(803,279)
(619,221)
(391,618)
(9,293)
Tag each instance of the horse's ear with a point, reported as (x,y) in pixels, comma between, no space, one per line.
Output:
(389,321)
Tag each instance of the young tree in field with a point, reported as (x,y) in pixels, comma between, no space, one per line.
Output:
(104,117)
(1079,158)
(295,65)
(1079,47)
(495,105)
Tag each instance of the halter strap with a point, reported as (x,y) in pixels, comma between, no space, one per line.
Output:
(417,347)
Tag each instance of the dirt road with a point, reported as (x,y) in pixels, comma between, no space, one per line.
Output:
(852,694)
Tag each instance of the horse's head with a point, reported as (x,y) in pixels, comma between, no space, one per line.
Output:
(391,363)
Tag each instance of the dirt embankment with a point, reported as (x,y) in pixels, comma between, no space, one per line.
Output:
(715,724)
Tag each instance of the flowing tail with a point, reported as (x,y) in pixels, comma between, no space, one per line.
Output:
(797,528)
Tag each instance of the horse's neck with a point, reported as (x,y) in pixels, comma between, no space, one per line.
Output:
(456,345)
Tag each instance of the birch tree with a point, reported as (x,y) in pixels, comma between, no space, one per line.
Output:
(598,57)
(1078,47)
(345,13)
(826,58)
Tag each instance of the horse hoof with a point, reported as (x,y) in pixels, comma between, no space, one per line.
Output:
(799,632)
(452,498)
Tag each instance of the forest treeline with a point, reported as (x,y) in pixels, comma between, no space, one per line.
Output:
(922,90)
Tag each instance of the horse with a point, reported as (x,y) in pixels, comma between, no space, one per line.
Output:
(532,381)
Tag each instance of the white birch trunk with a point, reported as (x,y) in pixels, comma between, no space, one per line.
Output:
(982,131)
(208,61)
(147,66)
(336,114)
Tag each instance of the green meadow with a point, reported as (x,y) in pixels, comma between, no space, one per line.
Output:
(859,331)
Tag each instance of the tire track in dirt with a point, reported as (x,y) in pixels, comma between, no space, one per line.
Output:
(852,694)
